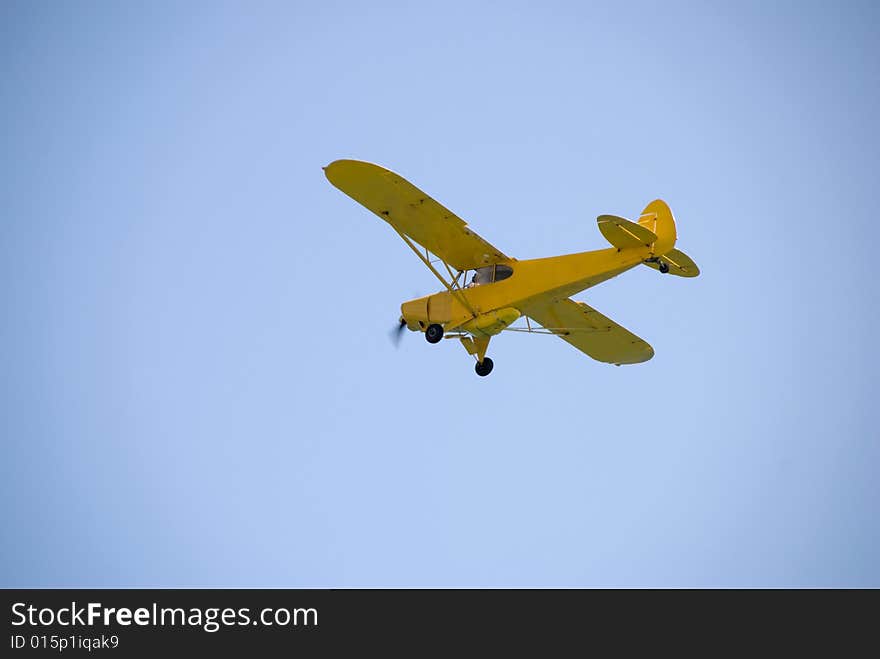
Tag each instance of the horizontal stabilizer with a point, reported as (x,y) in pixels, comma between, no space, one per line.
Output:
(679,264)
(622,233)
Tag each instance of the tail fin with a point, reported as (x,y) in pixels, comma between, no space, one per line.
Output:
(654,230)
(657,217)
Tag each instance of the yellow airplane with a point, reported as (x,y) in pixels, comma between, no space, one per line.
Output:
(503,289)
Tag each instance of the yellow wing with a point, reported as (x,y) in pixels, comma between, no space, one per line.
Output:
(412,212)
(589,331)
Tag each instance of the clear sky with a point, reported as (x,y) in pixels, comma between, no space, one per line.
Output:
(198,384)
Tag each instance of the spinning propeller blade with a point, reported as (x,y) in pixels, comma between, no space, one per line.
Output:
(397,332)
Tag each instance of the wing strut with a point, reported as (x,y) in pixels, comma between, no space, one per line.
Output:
(453,291)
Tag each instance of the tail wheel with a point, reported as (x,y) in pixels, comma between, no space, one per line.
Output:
(434,333)
(484,367)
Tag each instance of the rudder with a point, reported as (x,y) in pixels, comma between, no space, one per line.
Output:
(657,217)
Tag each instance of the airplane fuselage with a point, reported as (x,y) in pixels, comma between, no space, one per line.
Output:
(487,309)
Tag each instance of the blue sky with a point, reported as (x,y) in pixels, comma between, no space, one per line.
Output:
(199,387)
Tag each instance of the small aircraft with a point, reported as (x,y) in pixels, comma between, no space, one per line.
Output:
(502,289)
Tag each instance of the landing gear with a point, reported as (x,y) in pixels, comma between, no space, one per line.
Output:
(661,266)
(434,333)
(484,367)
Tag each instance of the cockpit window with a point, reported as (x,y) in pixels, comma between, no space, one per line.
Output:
(489,274)
(483,275)
(502,272)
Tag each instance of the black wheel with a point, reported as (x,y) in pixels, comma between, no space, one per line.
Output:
(434,333)
(484,367)
(664,267)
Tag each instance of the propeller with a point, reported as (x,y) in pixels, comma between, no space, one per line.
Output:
(397,333)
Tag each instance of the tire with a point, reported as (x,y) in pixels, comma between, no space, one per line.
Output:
(484,367)
(434,333)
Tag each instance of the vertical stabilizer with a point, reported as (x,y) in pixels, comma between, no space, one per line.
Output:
(657,217)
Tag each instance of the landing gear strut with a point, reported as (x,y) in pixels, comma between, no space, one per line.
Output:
(434,333)
(484,367)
